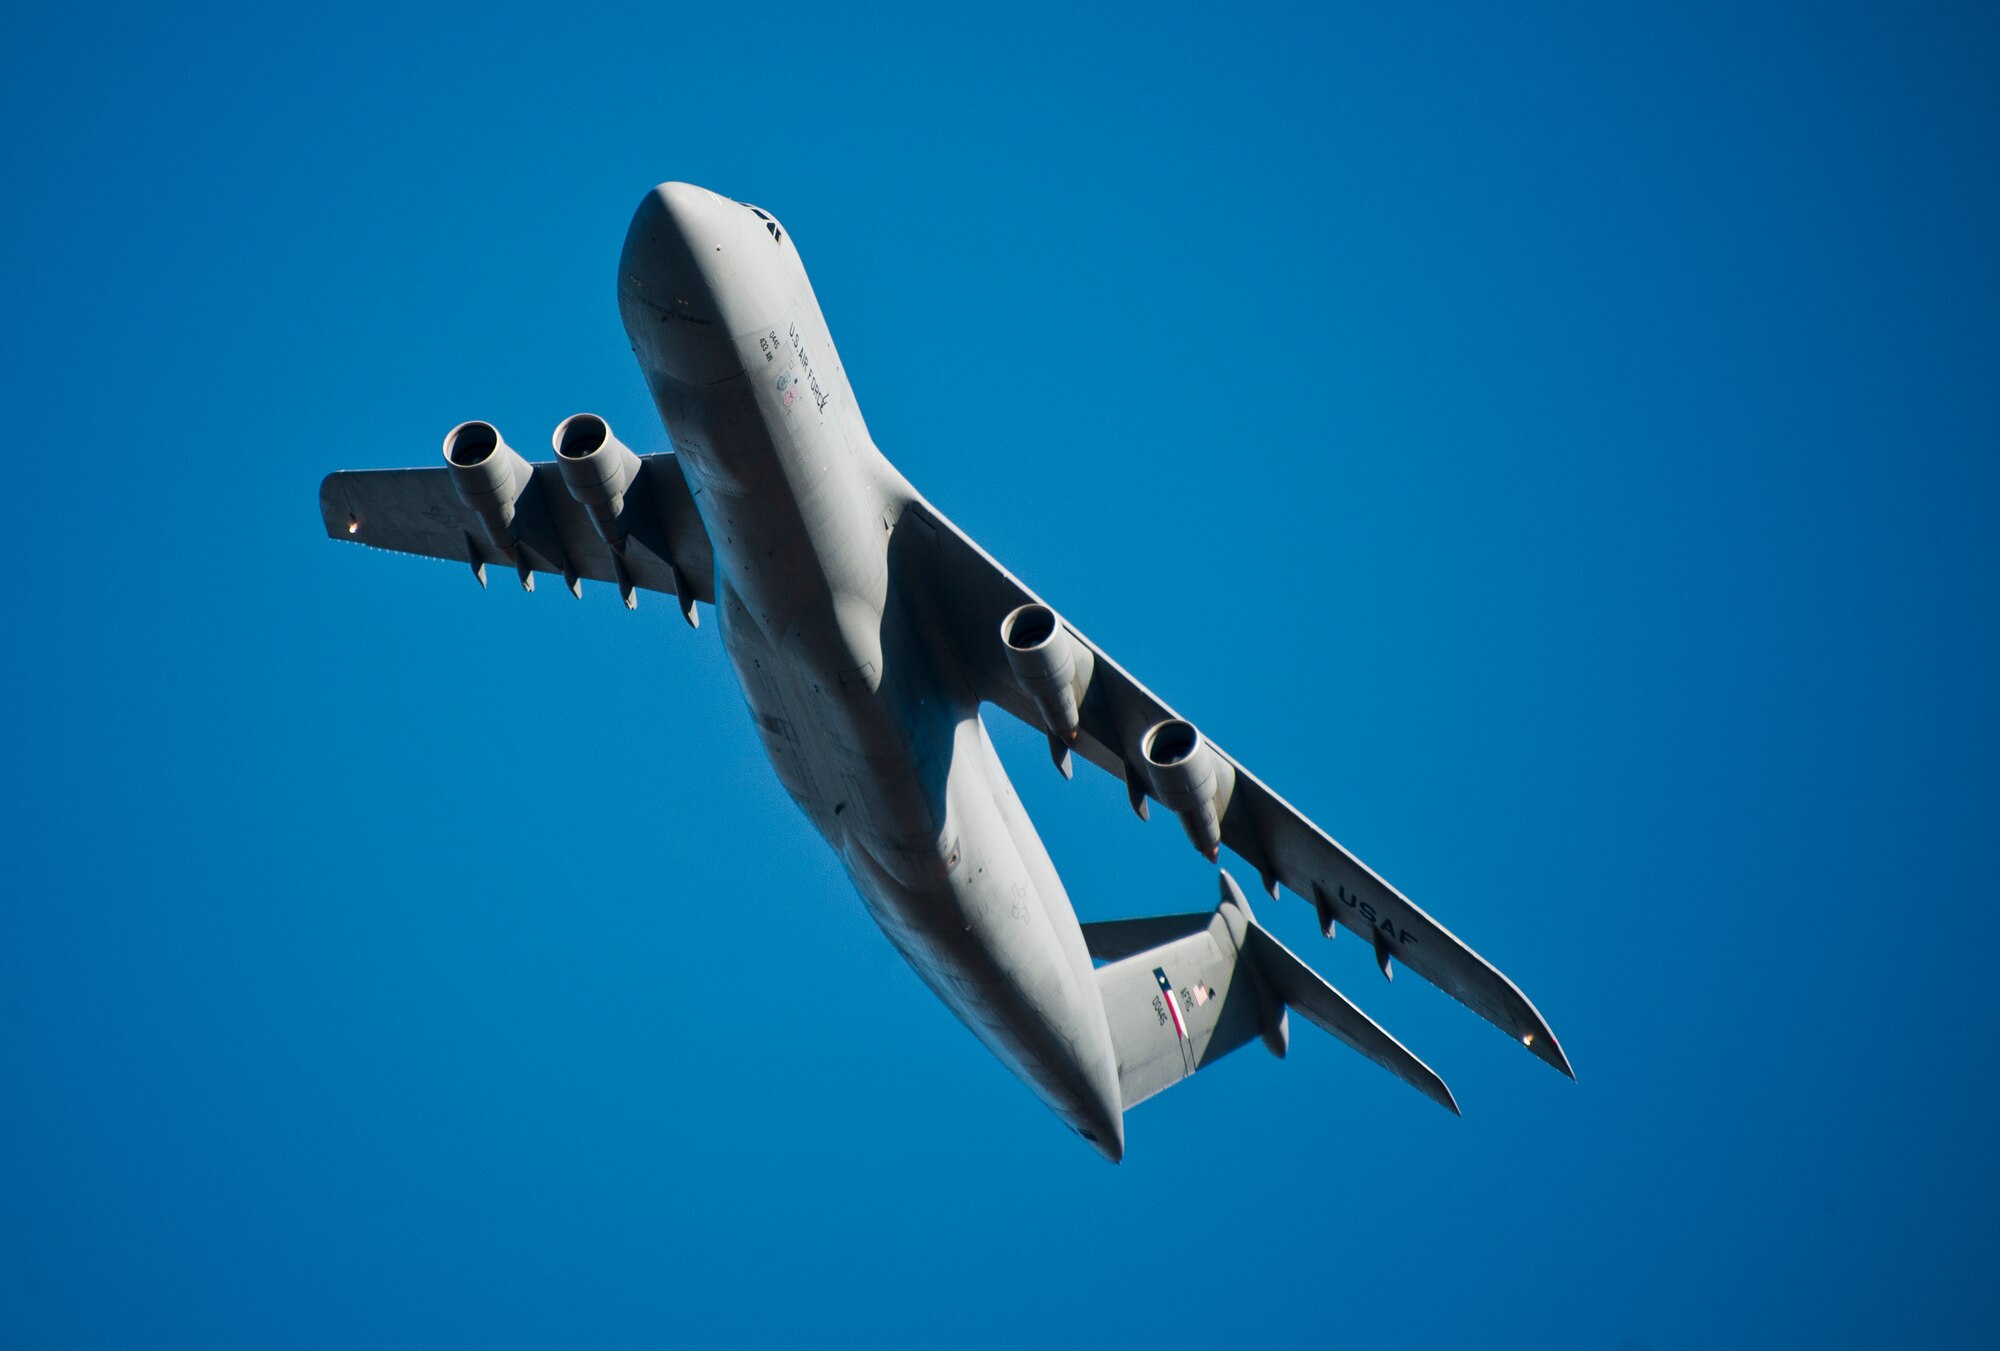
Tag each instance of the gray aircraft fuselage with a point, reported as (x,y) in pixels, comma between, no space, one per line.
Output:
(891,762)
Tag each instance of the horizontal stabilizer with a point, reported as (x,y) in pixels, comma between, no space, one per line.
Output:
(1181,991)
(1111,939)
(1326,1008)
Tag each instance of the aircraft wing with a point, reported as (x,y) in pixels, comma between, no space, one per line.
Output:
(418,511)
(971,594)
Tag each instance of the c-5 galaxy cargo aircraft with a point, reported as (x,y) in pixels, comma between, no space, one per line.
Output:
(868,631)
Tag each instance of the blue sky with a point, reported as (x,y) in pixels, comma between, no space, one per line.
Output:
(1555,448)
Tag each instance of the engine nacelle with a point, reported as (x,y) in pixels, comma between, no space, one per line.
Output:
(598,469)
(489,477)
(1191,779)
(1049,666)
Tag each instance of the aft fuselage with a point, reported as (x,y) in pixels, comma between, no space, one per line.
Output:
(878,746)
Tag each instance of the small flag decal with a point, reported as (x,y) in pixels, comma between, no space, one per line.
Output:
(1173,1005)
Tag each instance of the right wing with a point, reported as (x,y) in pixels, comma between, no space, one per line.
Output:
(418,511)
(973,593)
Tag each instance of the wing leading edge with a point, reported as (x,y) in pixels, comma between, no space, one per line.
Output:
(972,594)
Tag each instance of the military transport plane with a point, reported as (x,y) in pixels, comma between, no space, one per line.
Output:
(868,632)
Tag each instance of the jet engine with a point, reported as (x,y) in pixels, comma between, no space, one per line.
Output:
(1191,779)
(1045,661)
(598,470)
(489,477)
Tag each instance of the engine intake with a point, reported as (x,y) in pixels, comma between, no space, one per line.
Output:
(1049,666)
(598,469)
(489,477)
(1191,779)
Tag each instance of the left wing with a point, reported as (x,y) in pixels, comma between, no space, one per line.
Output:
(1116,720)
(419,511)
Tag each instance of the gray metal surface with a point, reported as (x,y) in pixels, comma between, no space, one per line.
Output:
(418,511)
(1182,991)
(1257,825)
(866,632)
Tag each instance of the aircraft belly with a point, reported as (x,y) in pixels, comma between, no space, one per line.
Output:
(924,828)
(988,939)
(1047,883)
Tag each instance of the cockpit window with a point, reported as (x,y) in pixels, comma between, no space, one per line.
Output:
(769,224)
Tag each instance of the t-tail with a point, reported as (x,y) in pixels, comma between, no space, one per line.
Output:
(1182,991)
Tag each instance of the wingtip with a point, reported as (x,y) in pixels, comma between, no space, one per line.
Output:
(334,511)
(1439,1092)
(1544,1046)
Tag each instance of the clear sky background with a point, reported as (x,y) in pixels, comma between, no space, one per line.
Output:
(1555,448)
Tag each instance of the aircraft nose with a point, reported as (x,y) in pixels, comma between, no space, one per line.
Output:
(667,248)
(666,283)
(690,210)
